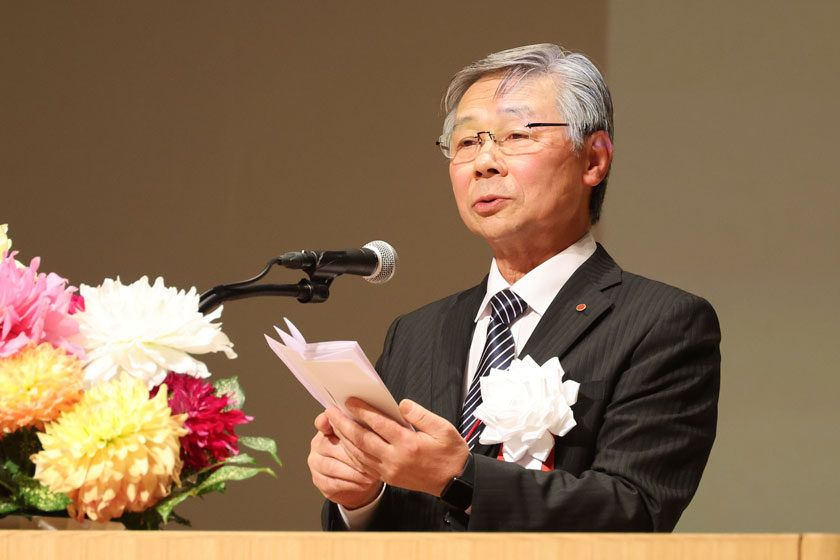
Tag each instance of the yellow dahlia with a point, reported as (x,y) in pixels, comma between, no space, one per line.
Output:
(36,385)
(115,450)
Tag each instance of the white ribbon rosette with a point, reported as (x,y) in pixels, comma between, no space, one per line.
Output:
(524,407)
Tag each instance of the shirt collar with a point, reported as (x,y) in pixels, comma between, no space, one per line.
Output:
(540,286)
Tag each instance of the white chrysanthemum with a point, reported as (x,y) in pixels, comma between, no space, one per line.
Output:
(147,331)
(5,242)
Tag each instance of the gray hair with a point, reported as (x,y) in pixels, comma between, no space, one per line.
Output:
(582,94)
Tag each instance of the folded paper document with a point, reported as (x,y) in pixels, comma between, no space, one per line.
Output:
(334,371)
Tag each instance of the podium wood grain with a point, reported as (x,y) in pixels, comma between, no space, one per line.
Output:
(821,546)
(181,545)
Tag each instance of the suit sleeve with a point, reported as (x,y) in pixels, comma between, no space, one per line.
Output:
(650,451)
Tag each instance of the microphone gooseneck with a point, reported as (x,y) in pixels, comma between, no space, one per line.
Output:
(376,262)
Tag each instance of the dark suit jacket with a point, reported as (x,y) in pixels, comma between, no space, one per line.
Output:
(648,362)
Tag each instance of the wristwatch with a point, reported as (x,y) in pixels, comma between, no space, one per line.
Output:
(459,491)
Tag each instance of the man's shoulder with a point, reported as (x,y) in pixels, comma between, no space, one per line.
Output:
(638,290)
(413,336)
(650,304)
(642,287)
(432,311)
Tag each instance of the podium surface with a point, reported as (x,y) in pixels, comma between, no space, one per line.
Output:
(180,545)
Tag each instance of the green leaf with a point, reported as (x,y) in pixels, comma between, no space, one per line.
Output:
(18,446)
(8,470)
(165,507)
(38,496)
(181,520)
(241,459)
(231,388)
(148,520)
(217,487)
(234,472)
(264,444)
(8,507)
(11,468)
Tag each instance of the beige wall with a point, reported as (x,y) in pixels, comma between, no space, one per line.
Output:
(724,185)
(195,140)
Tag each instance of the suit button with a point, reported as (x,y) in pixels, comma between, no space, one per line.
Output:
(447,519)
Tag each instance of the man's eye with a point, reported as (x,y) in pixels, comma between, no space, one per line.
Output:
(517,135)
(468,142)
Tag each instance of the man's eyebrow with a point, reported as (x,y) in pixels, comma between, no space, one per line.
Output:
(517,110)
(462,120)
(521,111)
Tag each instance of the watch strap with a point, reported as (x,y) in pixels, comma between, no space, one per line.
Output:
(458,492)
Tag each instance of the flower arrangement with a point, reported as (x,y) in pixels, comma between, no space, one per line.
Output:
(105,413)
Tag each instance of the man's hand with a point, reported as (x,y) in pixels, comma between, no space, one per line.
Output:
(425,460)
(339,478)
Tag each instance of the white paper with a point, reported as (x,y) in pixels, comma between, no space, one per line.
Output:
(334,371)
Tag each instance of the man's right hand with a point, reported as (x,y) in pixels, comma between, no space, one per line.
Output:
(338,477)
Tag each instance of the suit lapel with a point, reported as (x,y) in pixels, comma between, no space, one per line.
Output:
(563,324)
(450,359)
(575,309)
(558,330)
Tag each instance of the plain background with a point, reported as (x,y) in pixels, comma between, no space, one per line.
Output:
(195,140)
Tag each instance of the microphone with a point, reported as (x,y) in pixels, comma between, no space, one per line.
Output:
(377,262)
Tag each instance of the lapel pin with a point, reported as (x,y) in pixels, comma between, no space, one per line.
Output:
(580,307)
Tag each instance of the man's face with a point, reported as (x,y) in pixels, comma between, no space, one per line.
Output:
(535,201)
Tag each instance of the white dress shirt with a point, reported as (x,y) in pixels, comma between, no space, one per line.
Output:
(538,288)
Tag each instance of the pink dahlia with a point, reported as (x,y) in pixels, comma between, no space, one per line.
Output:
(77,303)
(210,426)
(35,308)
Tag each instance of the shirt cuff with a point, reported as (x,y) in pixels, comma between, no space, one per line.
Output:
(358,519)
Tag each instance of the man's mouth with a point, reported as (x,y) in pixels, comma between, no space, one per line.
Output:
(488,204)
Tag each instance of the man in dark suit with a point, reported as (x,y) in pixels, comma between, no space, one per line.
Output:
(529,137)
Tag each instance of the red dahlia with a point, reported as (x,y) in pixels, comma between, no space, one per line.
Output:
(211,437)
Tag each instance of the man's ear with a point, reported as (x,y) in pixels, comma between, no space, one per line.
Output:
(597,154)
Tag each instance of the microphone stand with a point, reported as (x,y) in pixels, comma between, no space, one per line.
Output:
(315,289)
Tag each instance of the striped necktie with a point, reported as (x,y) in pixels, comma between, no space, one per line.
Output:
(499,351)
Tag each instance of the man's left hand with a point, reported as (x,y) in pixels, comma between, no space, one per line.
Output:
(425,460)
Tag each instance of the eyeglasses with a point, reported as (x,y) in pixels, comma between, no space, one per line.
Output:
(518,141)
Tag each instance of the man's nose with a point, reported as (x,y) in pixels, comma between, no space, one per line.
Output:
(489,161)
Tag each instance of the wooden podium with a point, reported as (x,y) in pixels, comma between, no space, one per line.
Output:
(182,545)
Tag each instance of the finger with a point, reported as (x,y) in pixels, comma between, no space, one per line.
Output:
(333,468)
(360,436)
(349,452)
(335,488)
(331,447)
(359,458)
(423,419)
(322,424)
(386,428)
(350,495)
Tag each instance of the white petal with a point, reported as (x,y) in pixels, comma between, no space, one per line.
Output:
(146,329)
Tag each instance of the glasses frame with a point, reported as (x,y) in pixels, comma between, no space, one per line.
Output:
(447,154)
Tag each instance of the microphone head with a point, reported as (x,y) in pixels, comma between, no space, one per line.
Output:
(388,261)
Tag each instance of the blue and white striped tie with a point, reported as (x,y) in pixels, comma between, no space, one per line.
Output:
(499,351)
